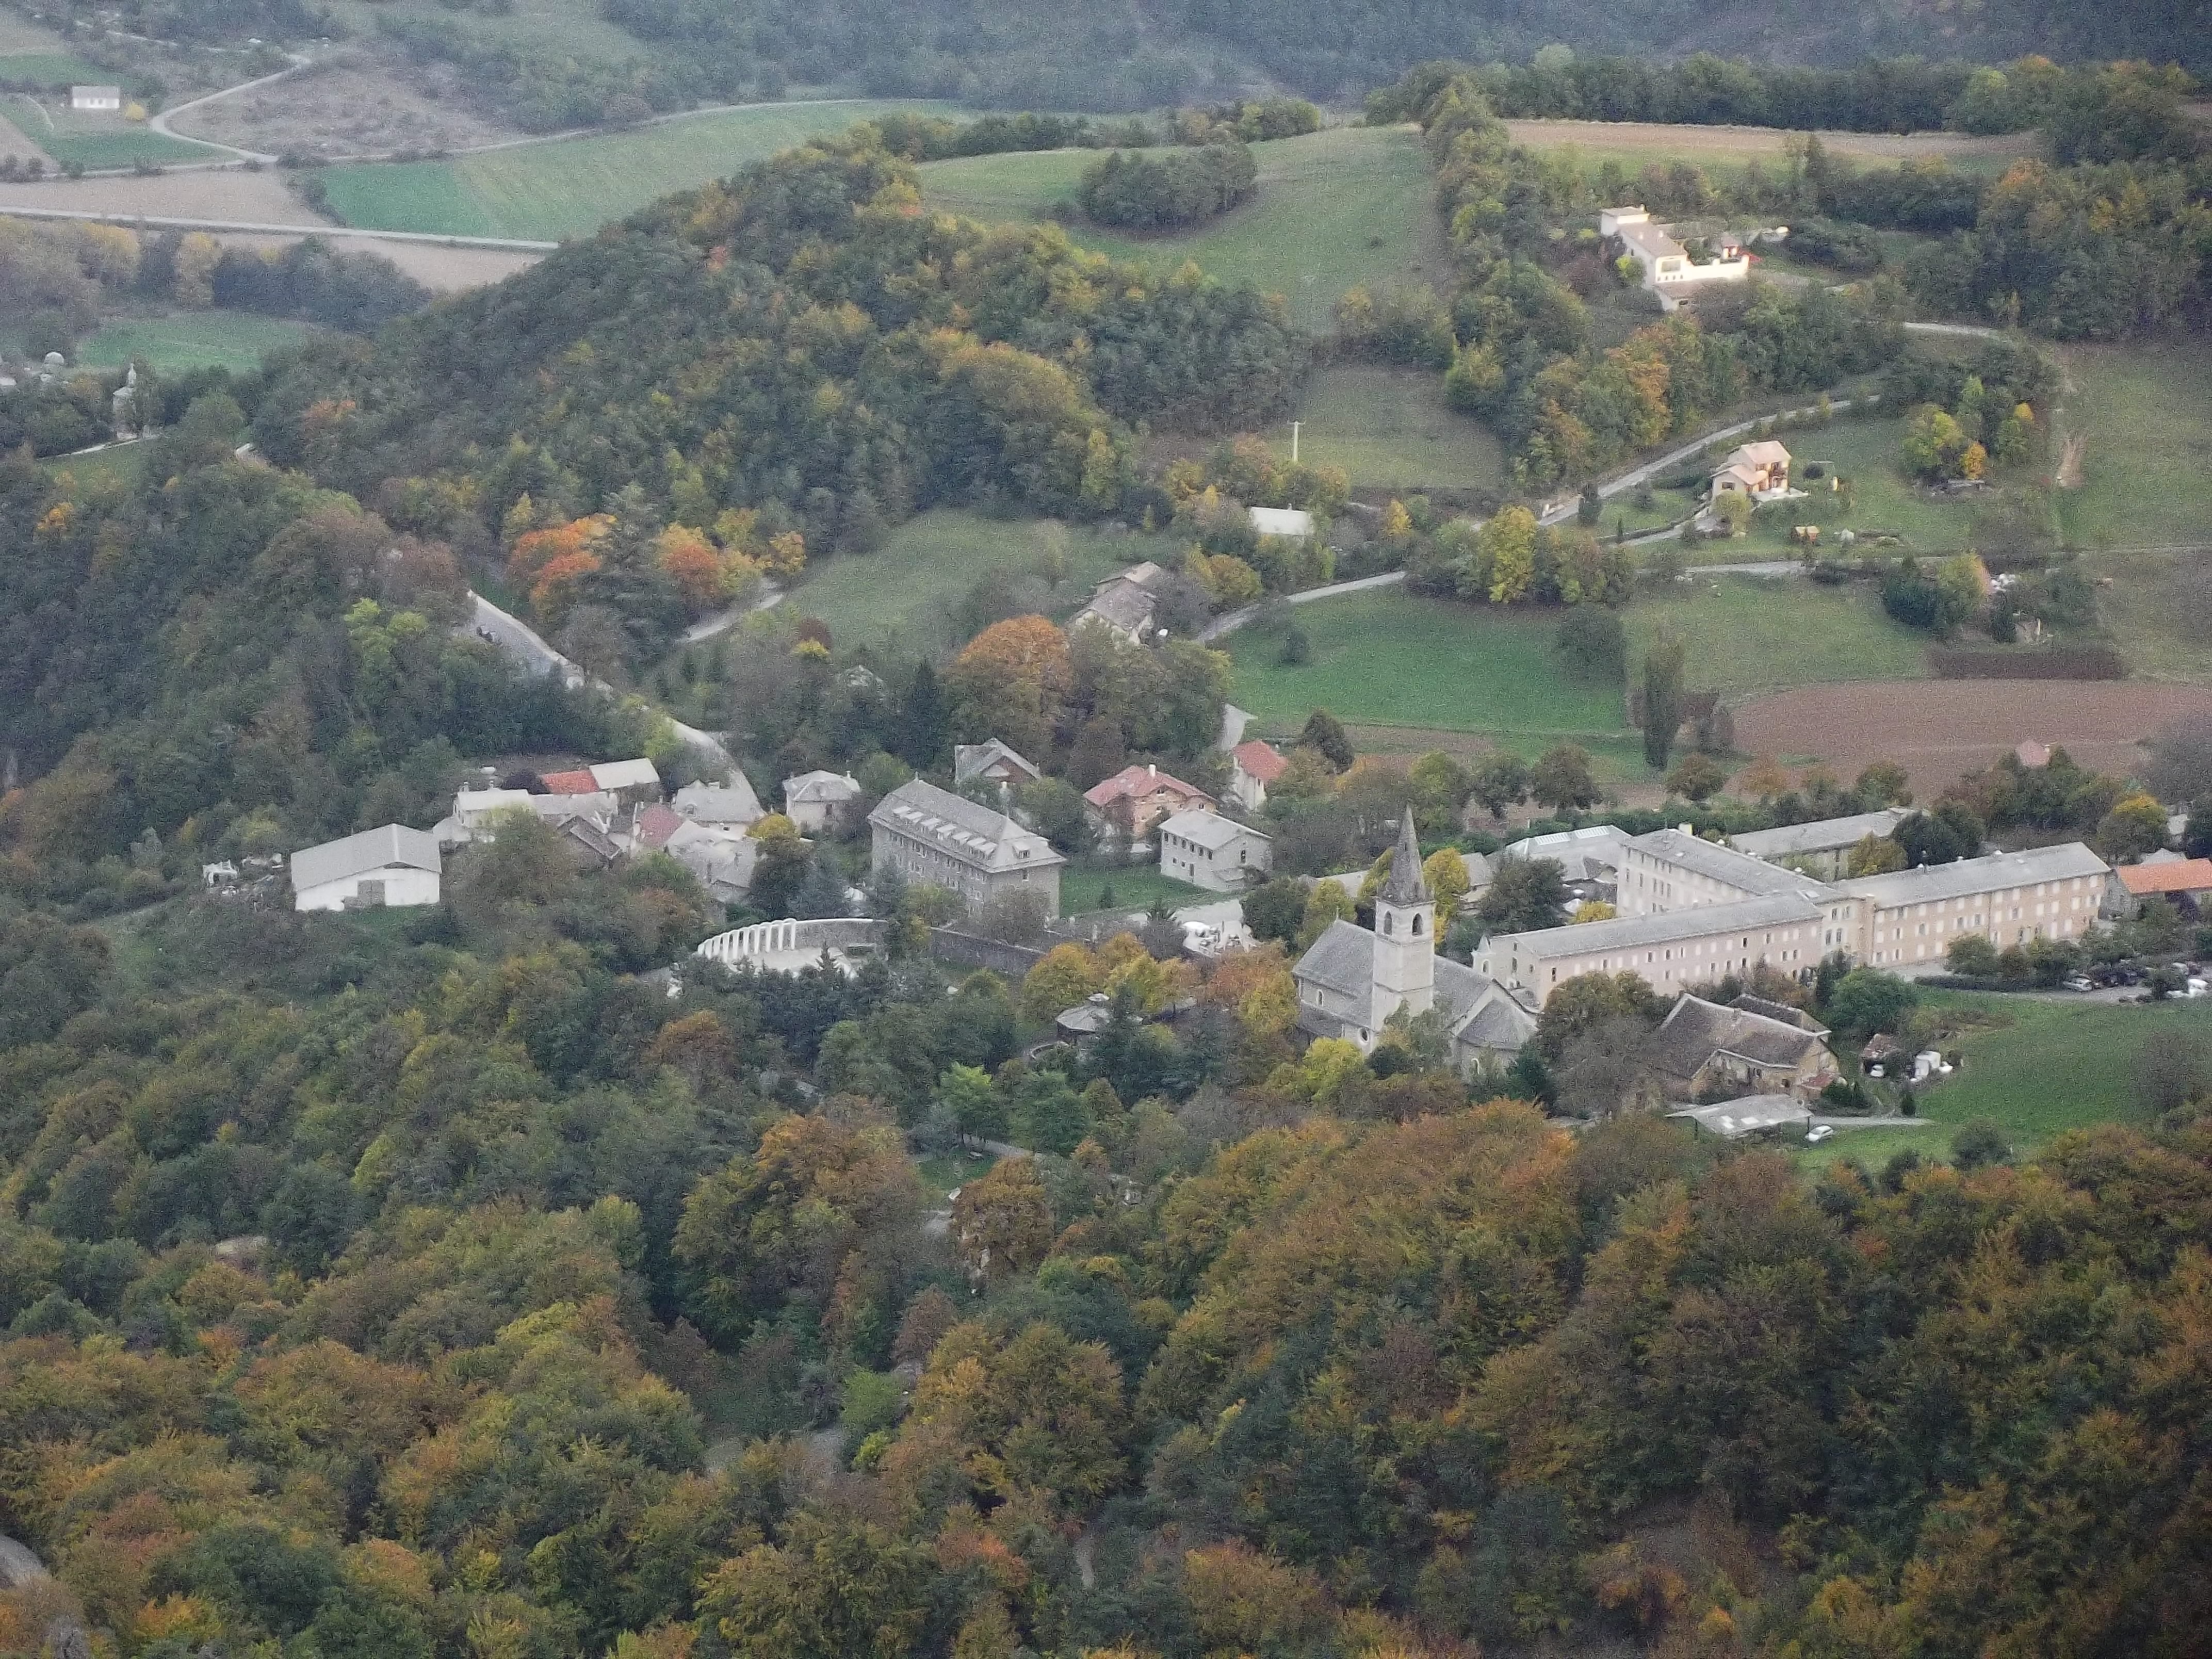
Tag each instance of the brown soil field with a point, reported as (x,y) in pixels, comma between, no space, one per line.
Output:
(15,141)
(355,104)
(1941,730)
(1722,143)
(234,193)
(443,269)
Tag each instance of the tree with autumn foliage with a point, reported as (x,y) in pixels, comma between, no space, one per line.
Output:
(1011,683)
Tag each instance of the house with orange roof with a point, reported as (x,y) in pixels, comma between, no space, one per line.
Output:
(1252,767)
(1136,798)
(2173,878)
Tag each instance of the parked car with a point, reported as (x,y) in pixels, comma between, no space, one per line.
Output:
(1820,1133)
(2079,982)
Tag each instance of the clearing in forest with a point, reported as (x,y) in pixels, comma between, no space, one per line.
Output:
(1334,208)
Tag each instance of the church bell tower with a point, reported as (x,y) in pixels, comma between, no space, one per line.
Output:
(1405,934)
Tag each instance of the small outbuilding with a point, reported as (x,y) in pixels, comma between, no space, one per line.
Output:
(99,101)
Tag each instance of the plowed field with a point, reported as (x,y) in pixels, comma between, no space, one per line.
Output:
(1939,730)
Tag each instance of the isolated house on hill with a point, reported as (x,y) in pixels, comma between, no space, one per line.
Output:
(1760,471)
(103,100)
(1668,268)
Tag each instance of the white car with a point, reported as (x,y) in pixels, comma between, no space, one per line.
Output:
(1820,1133)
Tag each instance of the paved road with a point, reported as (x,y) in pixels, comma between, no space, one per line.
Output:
(1890,1123)
(1230,621)
(1650,470)
(521,641)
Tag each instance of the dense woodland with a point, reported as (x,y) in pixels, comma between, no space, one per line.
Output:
(800,351)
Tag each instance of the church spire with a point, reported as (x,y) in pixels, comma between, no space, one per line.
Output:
(1406,885)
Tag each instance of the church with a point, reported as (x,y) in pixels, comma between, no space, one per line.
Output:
(1353,979)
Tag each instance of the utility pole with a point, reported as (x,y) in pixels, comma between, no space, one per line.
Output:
(1295,425)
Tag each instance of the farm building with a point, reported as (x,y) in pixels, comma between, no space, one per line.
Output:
(103,100)
(392,866)
(1669,269)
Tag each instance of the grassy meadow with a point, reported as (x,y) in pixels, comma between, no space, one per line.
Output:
(94,141)
(235,340)
(1388,657)
(57,70)
(904,594)
(1746,635)
(1083,889)
(2147,426)
(571,186)
(2037,1066)
(1389,428)
(1334,208)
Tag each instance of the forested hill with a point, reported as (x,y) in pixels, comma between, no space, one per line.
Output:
(1118,55)
(801,340)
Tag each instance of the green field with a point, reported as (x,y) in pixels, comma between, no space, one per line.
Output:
(570,187)
(120,463)
(1135,887)
(2147,423)
(1388,428)
(1752,633)
(2054,1065)
(195,339)
(903,595)
(94,141)
(1388,657)
(49,69)
(1335,208)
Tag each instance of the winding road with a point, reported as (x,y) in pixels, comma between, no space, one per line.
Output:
(522,642)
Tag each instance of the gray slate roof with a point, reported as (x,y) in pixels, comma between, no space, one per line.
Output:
(1821,836)
(973,835)
(1343,960)
(381,848)
(970,758)
(1633,933)
(1982,875)
(1705,858)
(1210,830)
(1695,1030)
(1593,853)
(734,802)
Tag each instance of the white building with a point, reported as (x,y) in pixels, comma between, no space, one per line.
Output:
(1252,767)
(104,100)
(1218,854)
(814,800)
(1669,270)
(1691,911)
(389,866)
(1292,523)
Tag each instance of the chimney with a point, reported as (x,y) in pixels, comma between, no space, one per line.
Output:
(1151,769)
(1689,829)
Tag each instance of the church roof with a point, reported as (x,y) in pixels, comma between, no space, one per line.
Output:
(1406,885)
(1343,960)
